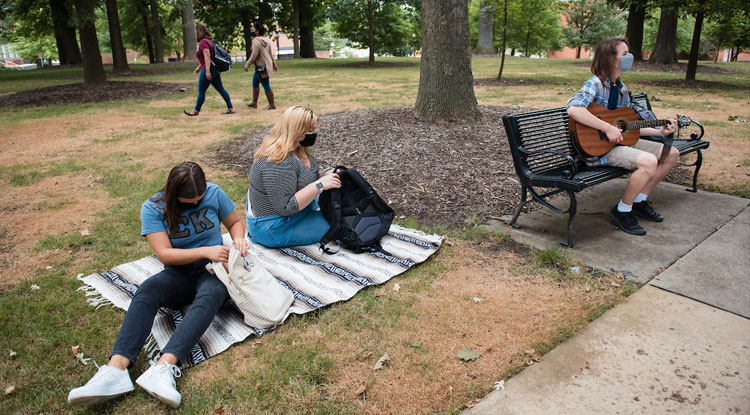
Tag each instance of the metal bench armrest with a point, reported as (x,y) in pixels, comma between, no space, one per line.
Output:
(695,136)
(573,166)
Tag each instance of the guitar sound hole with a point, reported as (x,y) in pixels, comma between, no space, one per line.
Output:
(621,124)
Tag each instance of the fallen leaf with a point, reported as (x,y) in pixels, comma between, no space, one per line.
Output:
(396,287)
(365,356)
(257,385)
(9,389)
(477,299)
(530,351)
(85,232)
(84,360)
(13,354)
(74,349)
(48,267)
(381,362)
(35,287)
(467,355)
(500,385)
(469,404)
(614,284)
(219,410)
(361,390)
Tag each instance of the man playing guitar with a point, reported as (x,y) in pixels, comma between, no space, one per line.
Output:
(611,59)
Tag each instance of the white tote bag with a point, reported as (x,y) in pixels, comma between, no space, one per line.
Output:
(260,298)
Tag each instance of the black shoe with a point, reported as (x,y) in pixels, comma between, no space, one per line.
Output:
(646,211)
(626,222)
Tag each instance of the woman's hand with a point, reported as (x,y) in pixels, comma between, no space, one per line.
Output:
(218,253)
(241,245)
(208,75)
(197,70)
(330,181)
(275,68)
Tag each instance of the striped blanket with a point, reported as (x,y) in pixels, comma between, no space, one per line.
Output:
(315,279)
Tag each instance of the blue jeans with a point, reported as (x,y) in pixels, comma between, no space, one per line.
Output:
(175,287)
(257,79)
(203,84)
(277,231)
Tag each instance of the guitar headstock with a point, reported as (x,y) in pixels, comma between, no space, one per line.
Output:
(683,121)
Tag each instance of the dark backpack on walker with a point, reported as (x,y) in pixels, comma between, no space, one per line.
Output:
(222,60)
(359,218)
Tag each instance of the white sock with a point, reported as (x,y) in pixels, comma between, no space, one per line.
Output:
(640,198)
(622,207)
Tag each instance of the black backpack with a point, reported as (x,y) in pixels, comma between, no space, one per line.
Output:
(359,218)
(222,60)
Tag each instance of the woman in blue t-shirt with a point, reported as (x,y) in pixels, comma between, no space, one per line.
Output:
(182,223)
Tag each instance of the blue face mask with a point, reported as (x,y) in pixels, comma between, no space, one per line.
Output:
(626,62)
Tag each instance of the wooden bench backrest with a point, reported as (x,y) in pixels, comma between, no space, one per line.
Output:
(539,130)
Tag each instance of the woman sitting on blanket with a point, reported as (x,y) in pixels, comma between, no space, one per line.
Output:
(285,182)
(182,223)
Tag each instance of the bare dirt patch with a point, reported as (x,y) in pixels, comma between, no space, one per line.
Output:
(81,93)
(375,64)
(439,172)
(506,82)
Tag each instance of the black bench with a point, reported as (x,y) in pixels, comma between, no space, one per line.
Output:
(547,162)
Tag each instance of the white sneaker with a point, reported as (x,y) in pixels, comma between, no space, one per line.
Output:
(158,381)
(108,382)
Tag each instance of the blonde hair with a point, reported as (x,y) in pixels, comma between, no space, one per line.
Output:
(282,139)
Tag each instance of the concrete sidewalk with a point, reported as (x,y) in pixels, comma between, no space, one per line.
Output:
(659,351)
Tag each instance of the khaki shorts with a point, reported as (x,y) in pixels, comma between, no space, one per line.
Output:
(625,156)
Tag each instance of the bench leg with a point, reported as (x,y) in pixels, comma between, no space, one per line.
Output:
(698,164)
(571,214)
(524,201)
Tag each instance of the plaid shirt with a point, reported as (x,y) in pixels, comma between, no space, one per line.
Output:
(594,91)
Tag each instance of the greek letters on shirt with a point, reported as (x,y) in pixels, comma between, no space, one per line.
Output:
(200,223)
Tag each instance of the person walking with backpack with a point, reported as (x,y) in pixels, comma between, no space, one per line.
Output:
(262,56)
(285,182)
(207,72)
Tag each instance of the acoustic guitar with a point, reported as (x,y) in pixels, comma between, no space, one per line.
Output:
(593,143)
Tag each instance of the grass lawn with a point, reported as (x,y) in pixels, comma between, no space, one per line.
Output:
(73,177)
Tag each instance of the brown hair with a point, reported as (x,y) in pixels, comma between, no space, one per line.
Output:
(280,142)
(605,55)
(201,31)
(185,180)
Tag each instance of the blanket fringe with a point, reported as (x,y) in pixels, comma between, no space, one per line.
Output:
(152,349)
(96,299)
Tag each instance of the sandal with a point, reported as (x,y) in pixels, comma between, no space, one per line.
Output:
(229,111)
(191,113)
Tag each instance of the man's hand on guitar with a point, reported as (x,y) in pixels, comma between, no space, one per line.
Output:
(669,128)
(614,134)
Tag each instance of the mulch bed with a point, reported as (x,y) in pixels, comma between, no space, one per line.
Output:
(375,64)
(644,66)
(80,93)
(506,81)
(694,84)
(438,172)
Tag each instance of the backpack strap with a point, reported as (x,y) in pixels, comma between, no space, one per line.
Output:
(336,222)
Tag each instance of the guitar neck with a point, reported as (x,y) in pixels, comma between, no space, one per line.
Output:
(635,125)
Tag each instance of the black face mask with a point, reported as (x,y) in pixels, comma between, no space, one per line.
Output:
(309,139)
(252,34)
(183,206)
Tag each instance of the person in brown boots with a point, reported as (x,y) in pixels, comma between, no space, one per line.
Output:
(262,57)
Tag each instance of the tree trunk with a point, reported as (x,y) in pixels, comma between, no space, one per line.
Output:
(147,31)
(307,41)
(513,52)
(484,34)
(505,38)
(189,39)
(446,84)
(65,35)
(93,70)
(295,21)
(634,31)
(246,29)
(119,59)
(578,52)
(528,38)
(665,49)
(371,30)
(692,67)
(157,31)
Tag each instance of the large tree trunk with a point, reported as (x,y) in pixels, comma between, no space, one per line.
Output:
(157,31)
(371,30)
(505,38)
(93,70)
(189,40)
(695,46)
(446,89)
(119,59)
(246,29)
(65,35)
(665,49)
(307,41)
(147,30)
(295,22)
(634,31)
(484,34)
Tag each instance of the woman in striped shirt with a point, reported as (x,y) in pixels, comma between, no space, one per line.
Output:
(285,182)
